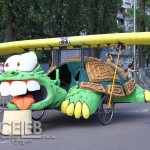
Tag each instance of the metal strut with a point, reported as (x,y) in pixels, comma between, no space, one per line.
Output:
(120,47)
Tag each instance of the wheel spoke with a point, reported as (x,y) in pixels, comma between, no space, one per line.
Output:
(105,114)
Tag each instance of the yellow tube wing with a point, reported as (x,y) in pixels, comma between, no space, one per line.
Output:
(103,40)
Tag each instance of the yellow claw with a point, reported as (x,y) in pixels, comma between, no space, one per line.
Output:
(77,111)
(70,109)
(64,106)
(147,95)
(85,111)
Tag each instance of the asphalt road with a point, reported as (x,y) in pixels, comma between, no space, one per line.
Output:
(129,130)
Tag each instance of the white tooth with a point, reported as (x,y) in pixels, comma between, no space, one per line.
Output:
(33,85)
(18,88)
(5,89)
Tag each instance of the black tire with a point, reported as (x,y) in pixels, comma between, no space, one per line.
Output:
(38,114)
(105,114)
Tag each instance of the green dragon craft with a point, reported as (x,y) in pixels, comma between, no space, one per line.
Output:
(74,90)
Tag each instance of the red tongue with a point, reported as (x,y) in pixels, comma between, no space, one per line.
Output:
(23,102)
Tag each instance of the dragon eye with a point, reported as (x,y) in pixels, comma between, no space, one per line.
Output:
(11,63)
(27,62)
(6,65)
(18,64)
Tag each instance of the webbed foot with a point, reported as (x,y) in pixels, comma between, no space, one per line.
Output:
(80,102)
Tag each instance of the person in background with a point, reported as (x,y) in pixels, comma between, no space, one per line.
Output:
(130,71)
(109,58)
(122,66)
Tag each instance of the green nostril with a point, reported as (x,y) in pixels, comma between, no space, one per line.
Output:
(14,73)
(10,73)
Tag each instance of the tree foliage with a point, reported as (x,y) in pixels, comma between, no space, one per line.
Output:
(42,18)
(142,25)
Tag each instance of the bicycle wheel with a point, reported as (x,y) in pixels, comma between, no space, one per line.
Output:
(105,114)
(38,114)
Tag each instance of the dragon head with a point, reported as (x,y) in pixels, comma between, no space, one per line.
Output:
(28,85)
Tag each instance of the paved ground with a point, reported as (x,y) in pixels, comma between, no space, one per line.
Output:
(129,130)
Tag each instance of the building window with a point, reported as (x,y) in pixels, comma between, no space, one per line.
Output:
(120,22)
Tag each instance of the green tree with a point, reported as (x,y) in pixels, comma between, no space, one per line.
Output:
(102,18)
(42,18)
(143,24)
(7,20)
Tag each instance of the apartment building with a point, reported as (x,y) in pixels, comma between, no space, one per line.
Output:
(123,20)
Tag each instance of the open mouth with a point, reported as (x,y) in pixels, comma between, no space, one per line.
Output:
(25,93)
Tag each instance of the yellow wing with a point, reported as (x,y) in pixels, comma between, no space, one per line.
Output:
(103,40)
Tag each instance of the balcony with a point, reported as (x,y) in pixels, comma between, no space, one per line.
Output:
(127,4)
